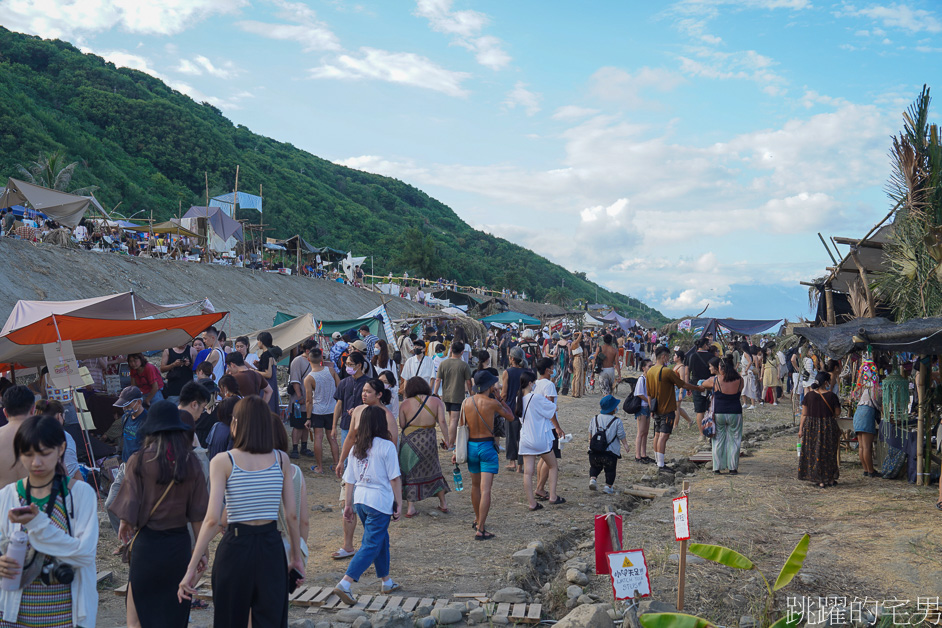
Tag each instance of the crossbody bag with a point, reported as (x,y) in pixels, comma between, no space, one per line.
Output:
(126,549)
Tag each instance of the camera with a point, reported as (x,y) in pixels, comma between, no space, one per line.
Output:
(57,572)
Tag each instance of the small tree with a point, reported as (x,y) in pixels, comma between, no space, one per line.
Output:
(52,171)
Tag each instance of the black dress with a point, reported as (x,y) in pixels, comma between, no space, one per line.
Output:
(264,361)
(178,376)
(513,427)
(820,439)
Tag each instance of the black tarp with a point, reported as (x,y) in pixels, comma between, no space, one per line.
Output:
(919,335)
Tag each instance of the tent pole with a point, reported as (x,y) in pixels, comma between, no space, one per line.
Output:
(13,374)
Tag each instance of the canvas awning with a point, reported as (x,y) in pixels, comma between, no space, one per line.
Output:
(589,321)
(166,228)
(737,326)
(66,209)
(289,332)
(621,321)
(918,335)
(93,338)
(297,244)
(221,224)
(125,305)
(506,318)
(458,298)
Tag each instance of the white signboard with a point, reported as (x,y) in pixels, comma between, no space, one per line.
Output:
(63,368)
(681,519)
(629,574)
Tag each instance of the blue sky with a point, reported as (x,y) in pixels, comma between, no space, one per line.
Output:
(686,153)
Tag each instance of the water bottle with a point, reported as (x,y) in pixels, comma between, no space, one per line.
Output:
(17,551)
(459,483)
(799,449)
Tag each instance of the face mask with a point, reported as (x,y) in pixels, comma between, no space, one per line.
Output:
(441,355)
(351,370)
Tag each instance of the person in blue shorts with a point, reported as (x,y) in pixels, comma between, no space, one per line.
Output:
(479,413)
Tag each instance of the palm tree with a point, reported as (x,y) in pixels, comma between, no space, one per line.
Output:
(912,283)
(52,172)
(558,296)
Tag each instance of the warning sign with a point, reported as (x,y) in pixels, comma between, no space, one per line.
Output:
(629,573)
(681,519)
(63,368)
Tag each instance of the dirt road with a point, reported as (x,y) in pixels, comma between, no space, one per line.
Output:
(869,537)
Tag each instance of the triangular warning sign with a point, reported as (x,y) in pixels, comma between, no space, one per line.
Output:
(680,509)
(627,563)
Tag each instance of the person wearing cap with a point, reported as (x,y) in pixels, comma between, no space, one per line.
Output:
(479,412)
(164,492)
(369,339)
(509,387)
(610,424)
(131,401)
(337,349)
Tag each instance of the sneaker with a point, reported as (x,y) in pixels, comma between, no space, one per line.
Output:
(608,490)
(751,408)
(294,455)
(307,453)
(345,596)
(392,586)
(593,484)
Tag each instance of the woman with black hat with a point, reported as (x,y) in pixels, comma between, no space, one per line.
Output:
(164,490)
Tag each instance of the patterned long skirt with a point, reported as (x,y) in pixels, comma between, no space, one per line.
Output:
(727,442)
(819,442)
(418,460)
(578,376)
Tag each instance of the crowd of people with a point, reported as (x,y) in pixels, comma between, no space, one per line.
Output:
(208,447)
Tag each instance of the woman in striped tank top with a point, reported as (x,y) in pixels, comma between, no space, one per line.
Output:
(250,571)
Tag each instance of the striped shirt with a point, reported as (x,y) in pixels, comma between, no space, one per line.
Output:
(254,495)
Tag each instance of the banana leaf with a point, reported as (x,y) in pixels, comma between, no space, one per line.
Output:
(721,555)
(785,623)
(793,564)
(672,620)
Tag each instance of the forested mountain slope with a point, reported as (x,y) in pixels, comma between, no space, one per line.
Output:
(146,146)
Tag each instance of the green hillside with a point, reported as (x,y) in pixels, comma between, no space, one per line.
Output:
(146,146)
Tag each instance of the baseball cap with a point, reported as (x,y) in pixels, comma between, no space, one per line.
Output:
(127,396)
(359,345)
(336,335)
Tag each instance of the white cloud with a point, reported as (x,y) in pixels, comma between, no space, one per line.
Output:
(625,88)
(465,28)
(395,67)
(124,59)
(569,112)
(70,18)
(303,27)
(899,16)
(521,97)
(744,64)
(201,65)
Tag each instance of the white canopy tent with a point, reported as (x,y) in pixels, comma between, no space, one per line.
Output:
(66,209)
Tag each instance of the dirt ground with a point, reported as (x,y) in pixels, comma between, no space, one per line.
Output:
(869,537)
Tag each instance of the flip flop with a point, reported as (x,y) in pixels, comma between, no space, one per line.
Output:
(938,505)
(538,506)
(341,554)
(541,497)
(559,500)
(444,510)
(408,516)
(484,536)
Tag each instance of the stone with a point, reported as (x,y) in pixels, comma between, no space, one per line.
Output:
(362,622)
(503,619)
(586,616)
(350,615)
(547,587)
(526,557)
(577,577)
(511,595)
(392,618)
(461,607)
(322,624)
(422,611)
(536,545)
(447,615)
(426,622)
(573,591)
(653,606)
(572,602)
(747,621)
(692,559)
(579,564)
(585,599)
(301,623)
(477,616)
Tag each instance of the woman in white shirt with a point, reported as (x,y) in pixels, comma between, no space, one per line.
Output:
(538,418)
(60,519)
(374,494)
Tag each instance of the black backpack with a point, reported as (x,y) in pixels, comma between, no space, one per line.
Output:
(632,404)
(599,442)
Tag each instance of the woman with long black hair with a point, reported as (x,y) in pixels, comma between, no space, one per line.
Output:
(374,494)
(819,433)
(60,518)
(727,386)
(268,367)
(250,573)
(164,490)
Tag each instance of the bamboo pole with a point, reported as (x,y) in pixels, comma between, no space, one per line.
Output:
(829,303)
(682,572)
(921,477)
(863,278)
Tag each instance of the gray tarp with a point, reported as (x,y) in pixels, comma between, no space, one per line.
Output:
(224,226)
(920,335)
(66,209)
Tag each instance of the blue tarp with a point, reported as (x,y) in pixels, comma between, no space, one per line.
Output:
(744,327)
(246,201)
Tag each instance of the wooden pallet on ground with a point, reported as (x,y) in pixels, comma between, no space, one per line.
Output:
(519,613)
(374,604)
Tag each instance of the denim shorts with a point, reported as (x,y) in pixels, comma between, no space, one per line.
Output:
(482,457)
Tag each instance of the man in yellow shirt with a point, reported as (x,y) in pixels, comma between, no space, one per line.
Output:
(661,381)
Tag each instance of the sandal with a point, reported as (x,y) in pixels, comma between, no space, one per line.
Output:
(342,553)
(444,510)
(483,536)
(541,497)
(938,505)
(538,506)
(558,500)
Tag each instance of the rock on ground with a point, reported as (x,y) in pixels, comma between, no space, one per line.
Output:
(512,595)
(587,616)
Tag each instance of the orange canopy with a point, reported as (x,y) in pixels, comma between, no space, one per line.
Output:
(93,337)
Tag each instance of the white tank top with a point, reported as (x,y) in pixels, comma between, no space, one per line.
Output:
(323,401)
(219,369)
